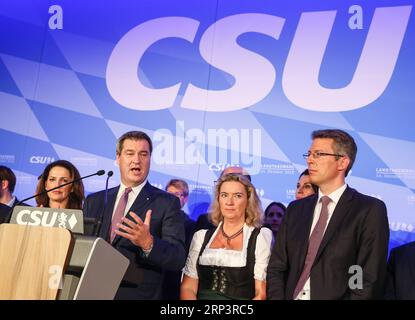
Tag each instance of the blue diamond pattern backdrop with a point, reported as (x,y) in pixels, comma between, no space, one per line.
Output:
(214,83)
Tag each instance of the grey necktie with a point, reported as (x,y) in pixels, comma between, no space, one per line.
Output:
(119,212)
(313,244)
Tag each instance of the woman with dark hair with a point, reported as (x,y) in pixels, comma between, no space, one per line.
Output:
(273,216)
(55,174)
(304,186)
(230,261)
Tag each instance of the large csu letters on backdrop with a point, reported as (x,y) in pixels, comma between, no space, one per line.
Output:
(254,75)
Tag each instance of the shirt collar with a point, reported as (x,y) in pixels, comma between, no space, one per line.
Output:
(11,202)
(335,195)
(134,190)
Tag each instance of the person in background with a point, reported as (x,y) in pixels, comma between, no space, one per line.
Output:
(180,189)
(304,186)
(7,199)
(172,279)
(230,261)
(8,183)
(401,273)
(273,215)
(55,174)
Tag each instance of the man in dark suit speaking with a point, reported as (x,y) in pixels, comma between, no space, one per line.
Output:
(140,221)
(333,244)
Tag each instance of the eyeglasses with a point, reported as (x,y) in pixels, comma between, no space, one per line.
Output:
(318,155)
(179,194)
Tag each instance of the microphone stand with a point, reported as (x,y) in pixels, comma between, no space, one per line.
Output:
(98,173)
(101,216)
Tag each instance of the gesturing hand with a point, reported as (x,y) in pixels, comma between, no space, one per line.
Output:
(137,231)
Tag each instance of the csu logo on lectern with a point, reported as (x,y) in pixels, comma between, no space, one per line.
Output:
(46,218)
(71,219)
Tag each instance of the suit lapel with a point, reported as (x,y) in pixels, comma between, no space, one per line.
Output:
(341,210)
(411,262)
(108,210)
(141,203)
(139,206)
(304,229)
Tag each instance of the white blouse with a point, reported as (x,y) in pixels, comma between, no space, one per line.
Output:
(230,258)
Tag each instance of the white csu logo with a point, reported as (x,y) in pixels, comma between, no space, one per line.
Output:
(41,160)
(255,75)
(45,219)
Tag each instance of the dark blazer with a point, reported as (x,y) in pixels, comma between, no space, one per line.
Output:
(144,276)
(6,211)
(357,234)
(203,222)
(189,229)
(173,279)
(401,273)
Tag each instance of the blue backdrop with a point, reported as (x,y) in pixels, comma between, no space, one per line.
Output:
(214,83)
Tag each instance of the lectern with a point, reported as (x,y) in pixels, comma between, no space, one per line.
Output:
(39,262)
(94,271)
(31,261)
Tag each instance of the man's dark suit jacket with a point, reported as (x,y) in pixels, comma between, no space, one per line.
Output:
(203,222)
(357,234)
(401,273)
(6,211)
(144,276)
(173,279)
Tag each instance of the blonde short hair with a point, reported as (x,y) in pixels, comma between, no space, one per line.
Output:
(253,214)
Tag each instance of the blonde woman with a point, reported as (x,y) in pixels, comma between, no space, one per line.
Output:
(229,262)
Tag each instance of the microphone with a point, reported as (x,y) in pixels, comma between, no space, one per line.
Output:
(101,216)
(109,175)
(98,173)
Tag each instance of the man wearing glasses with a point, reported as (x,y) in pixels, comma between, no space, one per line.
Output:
(180,189)
(172,279)
(334,244)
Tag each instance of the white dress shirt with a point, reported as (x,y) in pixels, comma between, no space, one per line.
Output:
(131,197)
(11,202)
(335,197)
